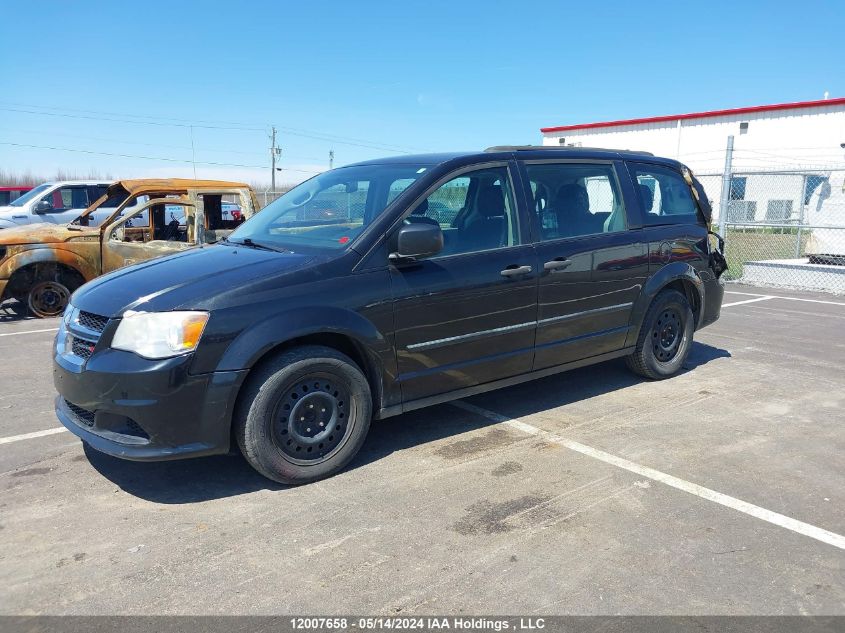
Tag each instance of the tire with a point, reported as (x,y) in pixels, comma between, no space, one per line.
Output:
(48,298)
(303,415)
(665,337)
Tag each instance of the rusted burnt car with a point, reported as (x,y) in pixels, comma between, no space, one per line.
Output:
(42,264)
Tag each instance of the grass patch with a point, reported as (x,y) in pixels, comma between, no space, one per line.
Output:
(751,245)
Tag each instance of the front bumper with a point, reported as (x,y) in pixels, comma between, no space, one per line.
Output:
(145,410)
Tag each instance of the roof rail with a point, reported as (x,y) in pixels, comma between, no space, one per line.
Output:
(523,148)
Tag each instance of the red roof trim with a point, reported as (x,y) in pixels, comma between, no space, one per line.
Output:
(698,115)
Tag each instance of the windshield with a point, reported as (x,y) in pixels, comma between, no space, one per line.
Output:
(330,210)
(32,193)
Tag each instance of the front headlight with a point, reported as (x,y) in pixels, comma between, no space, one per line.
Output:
(157,335)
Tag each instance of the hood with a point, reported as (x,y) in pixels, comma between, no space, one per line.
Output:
(199,278)
(42,233)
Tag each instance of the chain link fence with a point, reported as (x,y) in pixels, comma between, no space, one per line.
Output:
(782,228)
(268,196)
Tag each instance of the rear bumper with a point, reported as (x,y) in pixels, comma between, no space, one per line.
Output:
(714,293)
(144,410)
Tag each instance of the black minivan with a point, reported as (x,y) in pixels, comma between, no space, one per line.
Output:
(386,286)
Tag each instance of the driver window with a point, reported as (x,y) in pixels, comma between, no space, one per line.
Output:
(67,198)
(475,211)
(134,227)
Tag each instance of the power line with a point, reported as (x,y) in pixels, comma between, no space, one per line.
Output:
(159,158)
(161,145)
(99,118)
(205,124)
(136,116)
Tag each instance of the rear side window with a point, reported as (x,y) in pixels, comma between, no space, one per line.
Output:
(665,196)
(574,199)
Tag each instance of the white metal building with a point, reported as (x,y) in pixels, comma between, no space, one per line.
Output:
(807,134)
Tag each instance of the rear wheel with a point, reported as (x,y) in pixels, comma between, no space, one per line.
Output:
(665,337)
(304,415)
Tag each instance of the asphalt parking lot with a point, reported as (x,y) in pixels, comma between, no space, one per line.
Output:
(719,491)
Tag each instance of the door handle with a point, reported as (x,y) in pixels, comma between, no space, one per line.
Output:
(558,263)
(514,271)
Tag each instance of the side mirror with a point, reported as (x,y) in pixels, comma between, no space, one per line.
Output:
(43,206)
(417,241)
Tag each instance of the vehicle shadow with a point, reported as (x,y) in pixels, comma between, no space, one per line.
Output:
(13,310)
(207,478)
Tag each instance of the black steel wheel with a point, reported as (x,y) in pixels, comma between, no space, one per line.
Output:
(48,298)
(303,414)
(667,334)
(665,337)
(311,419)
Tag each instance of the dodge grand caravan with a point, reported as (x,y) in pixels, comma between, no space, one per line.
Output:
(386,286)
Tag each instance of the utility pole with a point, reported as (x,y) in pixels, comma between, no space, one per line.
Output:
(331,159)
(193,153)
(726,188)
(275,152)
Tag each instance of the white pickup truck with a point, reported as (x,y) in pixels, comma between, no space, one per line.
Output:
(54,202)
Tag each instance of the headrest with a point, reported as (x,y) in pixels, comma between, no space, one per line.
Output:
(647,196)
(491,201)
(572,198)
(421,209)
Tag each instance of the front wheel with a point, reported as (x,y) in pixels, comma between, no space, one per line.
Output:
(48,298)
(304,415)
(665,337)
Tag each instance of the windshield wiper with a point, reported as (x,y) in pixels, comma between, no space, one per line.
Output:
(247,241)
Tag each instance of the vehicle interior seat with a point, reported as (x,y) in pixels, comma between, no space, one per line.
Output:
(418,215)
(647,198)
(488,227)
(616,221)
(572,208)
(79,198)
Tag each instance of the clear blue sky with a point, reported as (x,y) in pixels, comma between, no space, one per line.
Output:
(401,75)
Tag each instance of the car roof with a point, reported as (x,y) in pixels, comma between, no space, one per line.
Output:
(527,152)
(53,183)
(152,185)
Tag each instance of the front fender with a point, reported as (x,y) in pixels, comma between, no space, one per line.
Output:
(44,254)
(259,338)
(676,271)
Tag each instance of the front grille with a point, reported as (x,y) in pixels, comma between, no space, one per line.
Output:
(82,348)
(83,416)
(93,322)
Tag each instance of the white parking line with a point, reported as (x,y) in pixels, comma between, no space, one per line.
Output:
(788,523)
(34,434)
(754,294)
(54,329)
(739,303)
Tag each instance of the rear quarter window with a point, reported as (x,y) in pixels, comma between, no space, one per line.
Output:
(664,195)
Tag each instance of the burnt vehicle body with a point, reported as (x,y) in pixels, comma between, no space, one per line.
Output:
(135,220)
(346,300)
